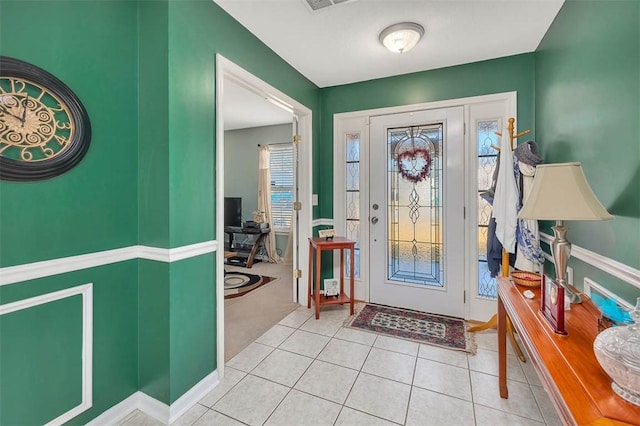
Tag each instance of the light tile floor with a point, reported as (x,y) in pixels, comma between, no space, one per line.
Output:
(308,372)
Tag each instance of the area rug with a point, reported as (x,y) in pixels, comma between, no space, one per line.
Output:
(437,330)
(238,284)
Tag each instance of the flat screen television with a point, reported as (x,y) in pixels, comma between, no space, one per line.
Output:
(232,211)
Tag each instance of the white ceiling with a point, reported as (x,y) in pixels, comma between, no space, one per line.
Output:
(242,109)
(339,44)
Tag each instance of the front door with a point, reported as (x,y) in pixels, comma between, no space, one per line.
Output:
(416,210)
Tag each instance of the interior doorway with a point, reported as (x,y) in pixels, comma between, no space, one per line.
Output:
(230,78)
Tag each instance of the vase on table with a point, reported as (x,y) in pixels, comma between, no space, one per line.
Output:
(618,352)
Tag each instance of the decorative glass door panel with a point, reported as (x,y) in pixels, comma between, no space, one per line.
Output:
(487,162)
(416,211)
(352,190)
(414,175)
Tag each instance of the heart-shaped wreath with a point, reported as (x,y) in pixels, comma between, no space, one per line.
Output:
(414,165)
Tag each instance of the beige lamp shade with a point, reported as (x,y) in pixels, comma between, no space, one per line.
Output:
(561,192)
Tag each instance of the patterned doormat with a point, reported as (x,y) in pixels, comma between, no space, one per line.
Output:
(437,330)
(238,284)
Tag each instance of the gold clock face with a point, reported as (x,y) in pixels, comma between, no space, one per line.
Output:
(35,125)
(44,128)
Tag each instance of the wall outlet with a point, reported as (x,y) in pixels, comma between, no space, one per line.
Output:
(314,199)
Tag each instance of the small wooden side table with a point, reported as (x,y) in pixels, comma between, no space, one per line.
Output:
(320,245)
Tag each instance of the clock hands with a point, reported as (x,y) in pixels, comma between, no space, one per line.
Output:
(5,111)
(22,119)
(24,109)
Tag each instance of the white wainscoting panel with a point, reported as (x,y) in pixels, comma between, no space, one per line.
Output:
(86,291)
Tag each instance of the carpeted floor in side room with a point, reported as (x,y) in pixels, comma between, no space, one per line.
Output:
(248,317)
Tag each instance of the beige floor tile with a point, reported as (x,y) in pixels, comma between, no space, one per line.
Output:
(487,362)
(252,400)
(275,335)
(250,357)
(486,416)
(530,373)
(521,401)
(397,345)
(390,365)
(282,367)
(351,417)
(346,354)
(191,415)
(296,318)
(448,356)
(231,378)
(356,336)
(432,408)
(549,412)
(380,397)
(327,381)
(325,326)
(443,378)
(141,419)
(305,343)
(302,409)
(213,418)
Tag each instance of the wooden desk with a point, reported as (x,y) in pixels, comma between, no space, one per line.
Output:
(578,386)
(250,251)
(320,245)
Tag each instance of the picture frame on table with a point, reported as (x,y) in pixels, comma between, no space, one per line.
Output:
(331,287)
(552,304)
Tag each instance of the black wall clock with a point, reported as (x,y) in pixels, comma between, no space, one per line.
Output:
(44,128)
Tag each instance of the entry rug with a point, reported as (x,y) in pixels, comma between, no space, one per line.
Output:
(437,330)
(238,284)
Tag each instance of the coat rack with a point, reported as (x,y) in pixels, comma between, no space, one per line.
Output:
(493,322)
(512,138)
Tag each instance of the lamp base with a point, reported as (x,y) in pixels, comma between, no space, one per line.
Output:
(574,297)
(561,251)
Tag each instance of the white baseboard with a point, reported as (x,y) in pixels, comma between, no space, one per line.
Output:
(118,412)
(156,409)
(193,395)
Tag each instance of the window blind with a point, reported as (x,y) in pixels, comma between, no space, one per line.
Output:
(282,184)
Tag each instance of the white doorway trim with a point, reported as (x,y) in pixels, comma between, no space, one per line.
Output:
(227,69)
(349,121)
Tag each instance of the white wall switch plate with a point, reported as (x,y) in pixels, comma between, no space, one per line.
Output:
(314,199)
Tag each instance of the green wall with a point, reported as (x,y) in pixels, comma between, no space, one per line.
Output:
(197,31)
(146,74)
(51,372)
(74,213)
(587,79)
(93,207)
(514,73)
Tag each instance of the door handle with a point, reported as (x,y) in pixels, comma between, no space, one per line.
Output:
(374,220)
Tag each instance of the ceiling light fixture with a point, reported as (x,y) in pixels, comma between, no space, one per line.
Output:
(402,37)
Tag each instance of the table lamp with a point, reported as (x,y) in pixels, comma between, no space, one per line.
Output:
(560,192)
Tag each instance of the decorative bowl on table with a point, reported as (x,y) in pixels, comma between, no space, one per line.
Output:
(618,352)
(526,278)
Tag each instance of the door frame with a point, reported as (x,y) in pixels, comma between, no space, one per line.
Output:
(448,299)
(470,200)
(226,69)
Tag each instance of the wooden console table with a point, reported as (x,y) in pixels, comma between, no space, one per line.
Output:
(320,245)
(578,386)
